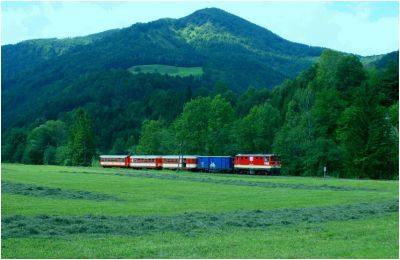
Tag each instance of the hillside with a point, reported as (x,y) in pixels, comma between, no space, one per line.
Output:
(200,82)
(226,46)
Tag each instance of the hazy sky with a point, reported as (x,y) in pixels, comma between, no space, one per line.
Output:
(364,28)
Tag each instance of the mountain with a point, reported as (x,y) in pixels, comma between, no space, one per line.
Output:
(45,78)
(226,46)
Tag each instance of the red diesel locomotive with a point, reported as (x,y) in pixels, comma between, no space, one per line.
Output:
(257,164)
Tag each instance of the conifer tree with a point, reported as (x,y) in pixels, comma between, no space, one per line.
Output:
(81,145)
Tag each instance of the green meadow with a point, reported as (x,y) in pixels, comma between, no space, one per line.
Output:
(77,212)
(169,70)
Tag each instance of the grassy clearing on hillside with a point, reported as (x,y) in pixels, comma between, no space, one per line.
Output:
(169,70)
(174,215)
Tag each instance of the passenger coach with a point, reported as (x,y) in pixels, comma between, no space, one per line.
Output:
(145,161)
(187,162)
(114,160)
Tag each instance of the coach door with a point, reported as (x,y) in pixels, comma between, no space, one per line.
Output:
(183,162)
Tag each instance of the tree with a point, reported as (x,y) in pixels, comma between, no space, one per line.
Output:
(192,126)
(381,161)
(326,112)
(353,131)
(256,131)
(119,146)
(219,126)
(43,140)
(155,138)
(13,145)
(349,75)
(295,137)
(326,69)
(390,84)
(81,145)
(250,98)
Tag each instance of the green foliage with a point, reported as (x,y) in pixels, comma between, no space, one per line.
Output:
(335,113)
(219,127)
(367,142)
(82,144)
(42,142)
(119,146)
(256,131)
(191,127)
(13,145)
(155,139)
(335,118)
(250,98)
(205,127)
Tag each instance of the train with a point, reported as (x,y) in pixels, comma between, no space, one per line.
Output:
(261,164)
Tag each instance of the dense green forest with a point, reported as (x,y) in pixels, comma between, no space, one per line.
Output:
(338,113)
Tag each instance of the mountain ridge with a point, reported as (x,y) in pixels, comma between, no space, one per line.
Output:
(227,47)
(168,35)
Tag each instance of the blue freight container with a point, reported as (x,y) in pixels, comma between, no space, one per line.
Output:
(215,163)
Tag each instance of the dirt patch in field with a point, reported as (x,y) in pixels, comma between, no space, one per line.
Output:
(43,191)
(197,178)
(188,223)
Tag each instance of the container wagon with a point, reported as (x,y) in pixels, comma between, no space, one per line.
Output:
(215,163)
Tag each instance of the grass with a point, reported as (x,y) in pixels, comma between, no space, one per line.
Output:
(163,214)
(43,191)
(169,70)
(367,238)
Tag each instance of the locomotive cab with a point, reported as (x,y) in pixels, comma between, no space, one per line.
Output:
(268,164)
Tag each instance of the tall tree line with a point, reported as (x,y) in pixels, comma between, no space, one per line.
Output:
(337,114)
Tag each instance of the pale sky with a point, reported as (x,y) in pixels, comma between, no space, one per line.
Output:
(364,28)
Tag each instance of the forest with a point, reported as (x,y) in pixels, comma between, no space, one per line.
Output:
(338,113)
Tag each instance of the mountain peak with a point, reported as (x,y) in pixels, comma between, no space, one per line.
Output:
(210,11)
(212,14)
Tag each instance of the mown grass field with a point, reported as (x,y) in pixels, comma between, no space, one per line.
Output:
(169,70)
(73,212)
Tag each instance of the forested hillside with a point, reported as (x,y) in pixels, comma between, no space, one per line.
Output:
(336,114)
(224,46)
(67,101)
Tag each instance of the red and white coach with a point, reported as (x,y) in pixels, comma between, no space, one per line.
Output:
(185,162)
(114,160)
(145,161)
